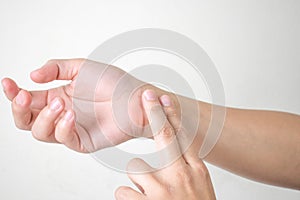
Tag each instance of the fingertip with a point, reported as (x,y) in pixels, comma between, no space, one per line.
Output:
(10,88)
(5,79)
(149,95)
(120,193)
(125,193)
(150,102)
(3,82)
(64,132)
(23,115)
(33,74)
(48,72)
(165,100)
(23,98)
(56,70)
(36,75)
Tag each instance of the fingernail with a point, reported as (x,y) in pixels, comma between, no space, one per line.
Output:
(165,100)
(20,98)
(150,95)
(55,104)
(69,116)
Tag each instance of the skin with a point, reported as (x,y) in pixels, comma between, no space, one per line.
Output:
(186,178)
(260,145)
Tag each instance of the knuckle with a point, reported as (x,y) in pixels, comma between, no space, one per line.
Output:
(21,126)
(81,59)
(178,130)
(167,190)
(167,132)
(184,175)
(51,61)
(201,169)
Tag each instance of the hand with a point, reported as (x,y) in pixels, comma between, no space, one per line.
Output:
(186,178)
(49,114)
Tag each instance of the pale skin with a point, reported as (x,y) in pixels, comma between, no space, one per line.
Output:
(260,145)
(185,178)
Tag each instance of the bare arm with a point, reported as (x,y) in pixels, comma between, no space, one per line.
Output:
(256,144)
(261,145)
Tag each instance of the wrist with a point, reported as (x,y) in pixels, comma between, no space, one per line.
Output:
(198,119)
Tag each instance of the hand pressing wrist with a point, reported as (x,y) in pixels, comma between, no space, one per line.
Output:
(184,177)
(176,104)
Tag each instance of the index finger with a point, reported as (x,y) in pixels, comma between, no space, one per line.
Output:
(162,130)
(10,88)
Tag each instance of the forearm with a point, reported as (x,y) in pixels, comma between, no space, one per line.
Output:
(260,145)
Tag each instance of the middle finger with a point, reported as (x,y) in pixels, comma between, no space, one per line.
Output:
(44,126)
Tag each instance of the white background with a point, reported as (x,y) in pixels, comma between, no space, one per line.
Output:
(254,44)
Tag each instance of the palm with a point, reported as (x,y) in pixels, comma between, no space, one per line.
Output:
(95,126)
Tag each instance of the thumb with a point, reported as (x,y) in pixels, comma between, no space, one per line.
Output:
(124,193)
(66,69)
